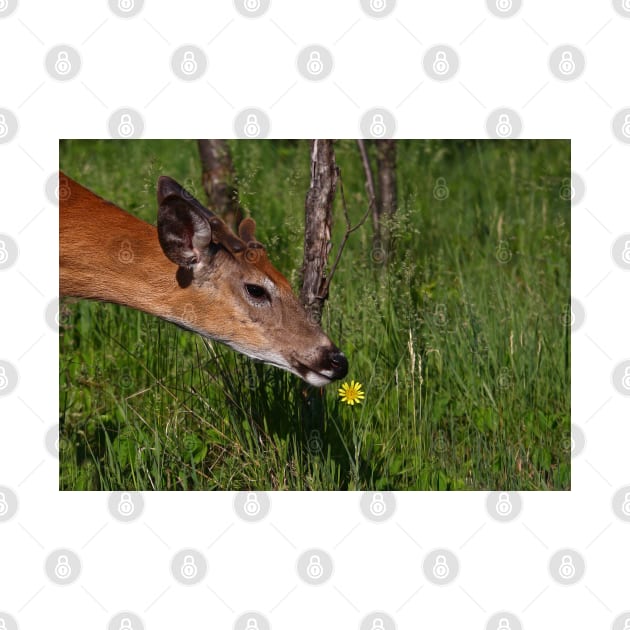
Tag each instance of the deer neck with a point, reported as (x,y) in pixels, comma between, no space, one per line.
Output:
(115,257)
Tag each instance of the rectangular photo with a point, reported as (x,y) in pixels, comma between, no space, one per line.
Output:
(314,315)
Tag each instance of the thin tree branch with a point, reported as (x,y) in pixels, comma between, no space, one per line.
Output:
(371,190)
(349,230)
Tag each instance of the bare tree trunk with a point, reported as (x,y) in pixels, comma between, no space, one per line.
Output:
(318,220)
(386,164)
(219,180)
(369,184)
(382,198)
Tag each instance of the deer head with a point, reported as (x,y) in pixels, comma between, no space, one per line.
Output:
(239,298)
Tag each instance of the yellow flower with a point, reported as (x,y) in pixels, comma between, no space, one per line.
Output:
(352,393)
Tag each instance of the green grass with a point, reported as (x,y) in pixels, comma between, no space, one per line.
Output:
(460,340)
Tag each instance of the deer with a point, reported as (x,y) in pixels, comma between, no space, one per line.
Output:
(194,271)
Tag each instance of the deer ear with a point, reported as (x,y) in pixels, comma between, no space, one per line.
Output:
(247,229)
(184,226)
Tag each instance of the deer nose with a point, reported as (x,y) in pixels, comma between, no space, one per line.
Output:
(338,363)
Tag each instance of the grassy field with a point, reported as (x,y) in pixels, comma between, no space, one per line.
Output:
(460,338)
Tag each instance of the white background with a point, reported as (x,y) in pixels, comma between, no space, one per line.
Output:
(378,63)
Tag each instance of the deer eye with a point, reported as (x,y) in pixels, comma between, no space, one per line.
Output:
(257,292)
